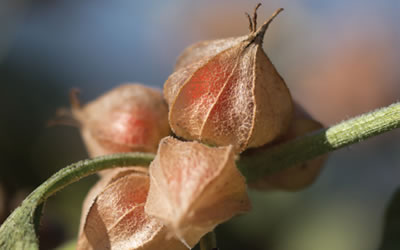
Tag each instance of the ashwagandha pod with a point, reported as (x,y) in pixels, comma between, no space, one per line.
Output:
(113,215)
(193,188)
(227,92)
(128,118)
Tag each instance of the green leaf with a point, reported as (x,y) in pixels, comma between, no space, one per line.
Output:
(19,231)
(391,231)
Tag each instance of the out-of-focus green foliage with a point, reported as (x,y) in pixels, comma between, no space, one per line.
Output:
(391,233)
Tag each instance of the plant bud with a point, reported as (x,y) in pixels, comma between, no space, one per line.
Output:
(301,175)
(227,92)
(131,117)
(193,188)
(113,216)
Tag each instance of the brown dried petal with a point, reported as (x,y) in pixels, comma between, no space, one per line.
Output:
(299,176)
(193,188)
(131,117)
(115,218)
(227,92)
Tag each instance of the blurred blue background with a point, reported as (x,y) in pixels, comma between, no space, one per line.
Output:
(339,59)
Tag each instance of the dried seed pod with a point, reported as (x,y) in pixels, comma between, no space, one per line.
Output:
(131,117)
(194,187)
(227,92)
(113,216)
(301,175)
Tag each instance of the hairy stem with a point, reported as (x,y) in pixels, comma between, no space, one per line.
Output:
(19,230)
(85,168)
(271,159)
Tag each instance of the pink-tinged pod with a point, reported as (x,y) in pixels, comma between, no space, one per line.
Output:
(227,92)
(193,188)
(130,117)
(113,215)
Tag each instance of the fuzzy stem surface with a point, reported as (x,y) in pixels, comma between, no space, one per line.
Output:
(261,162)
(19,230)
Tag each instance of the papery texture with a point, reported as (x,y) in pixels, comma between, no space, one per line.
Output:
(227,92)
(206,49)
(194,187)
(131,117)
(113,216)
(301,175)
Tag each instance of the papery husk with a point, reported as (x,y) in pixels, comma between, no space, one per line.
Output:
(302,175)
(113,215)
(227,92)
(193,188)
(129,118)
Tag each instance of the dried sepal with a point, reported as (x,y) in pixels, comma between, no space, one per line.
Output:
(131,117)
(194,187)
(113,216)
(106,178)
(301,175)
(227,92)
(205,49)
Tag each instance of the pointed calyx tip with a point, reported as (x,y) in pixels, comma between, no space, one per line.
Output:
(74,99)
(250,22)
(258,34)
(253,19)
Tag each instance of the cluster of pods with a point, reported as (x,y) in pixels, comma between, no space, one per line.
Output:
(224,97)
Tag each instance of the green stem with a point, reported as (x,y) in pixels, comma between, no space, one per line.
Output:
(19,230)
(84,168)
(208,241)
(271,159)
